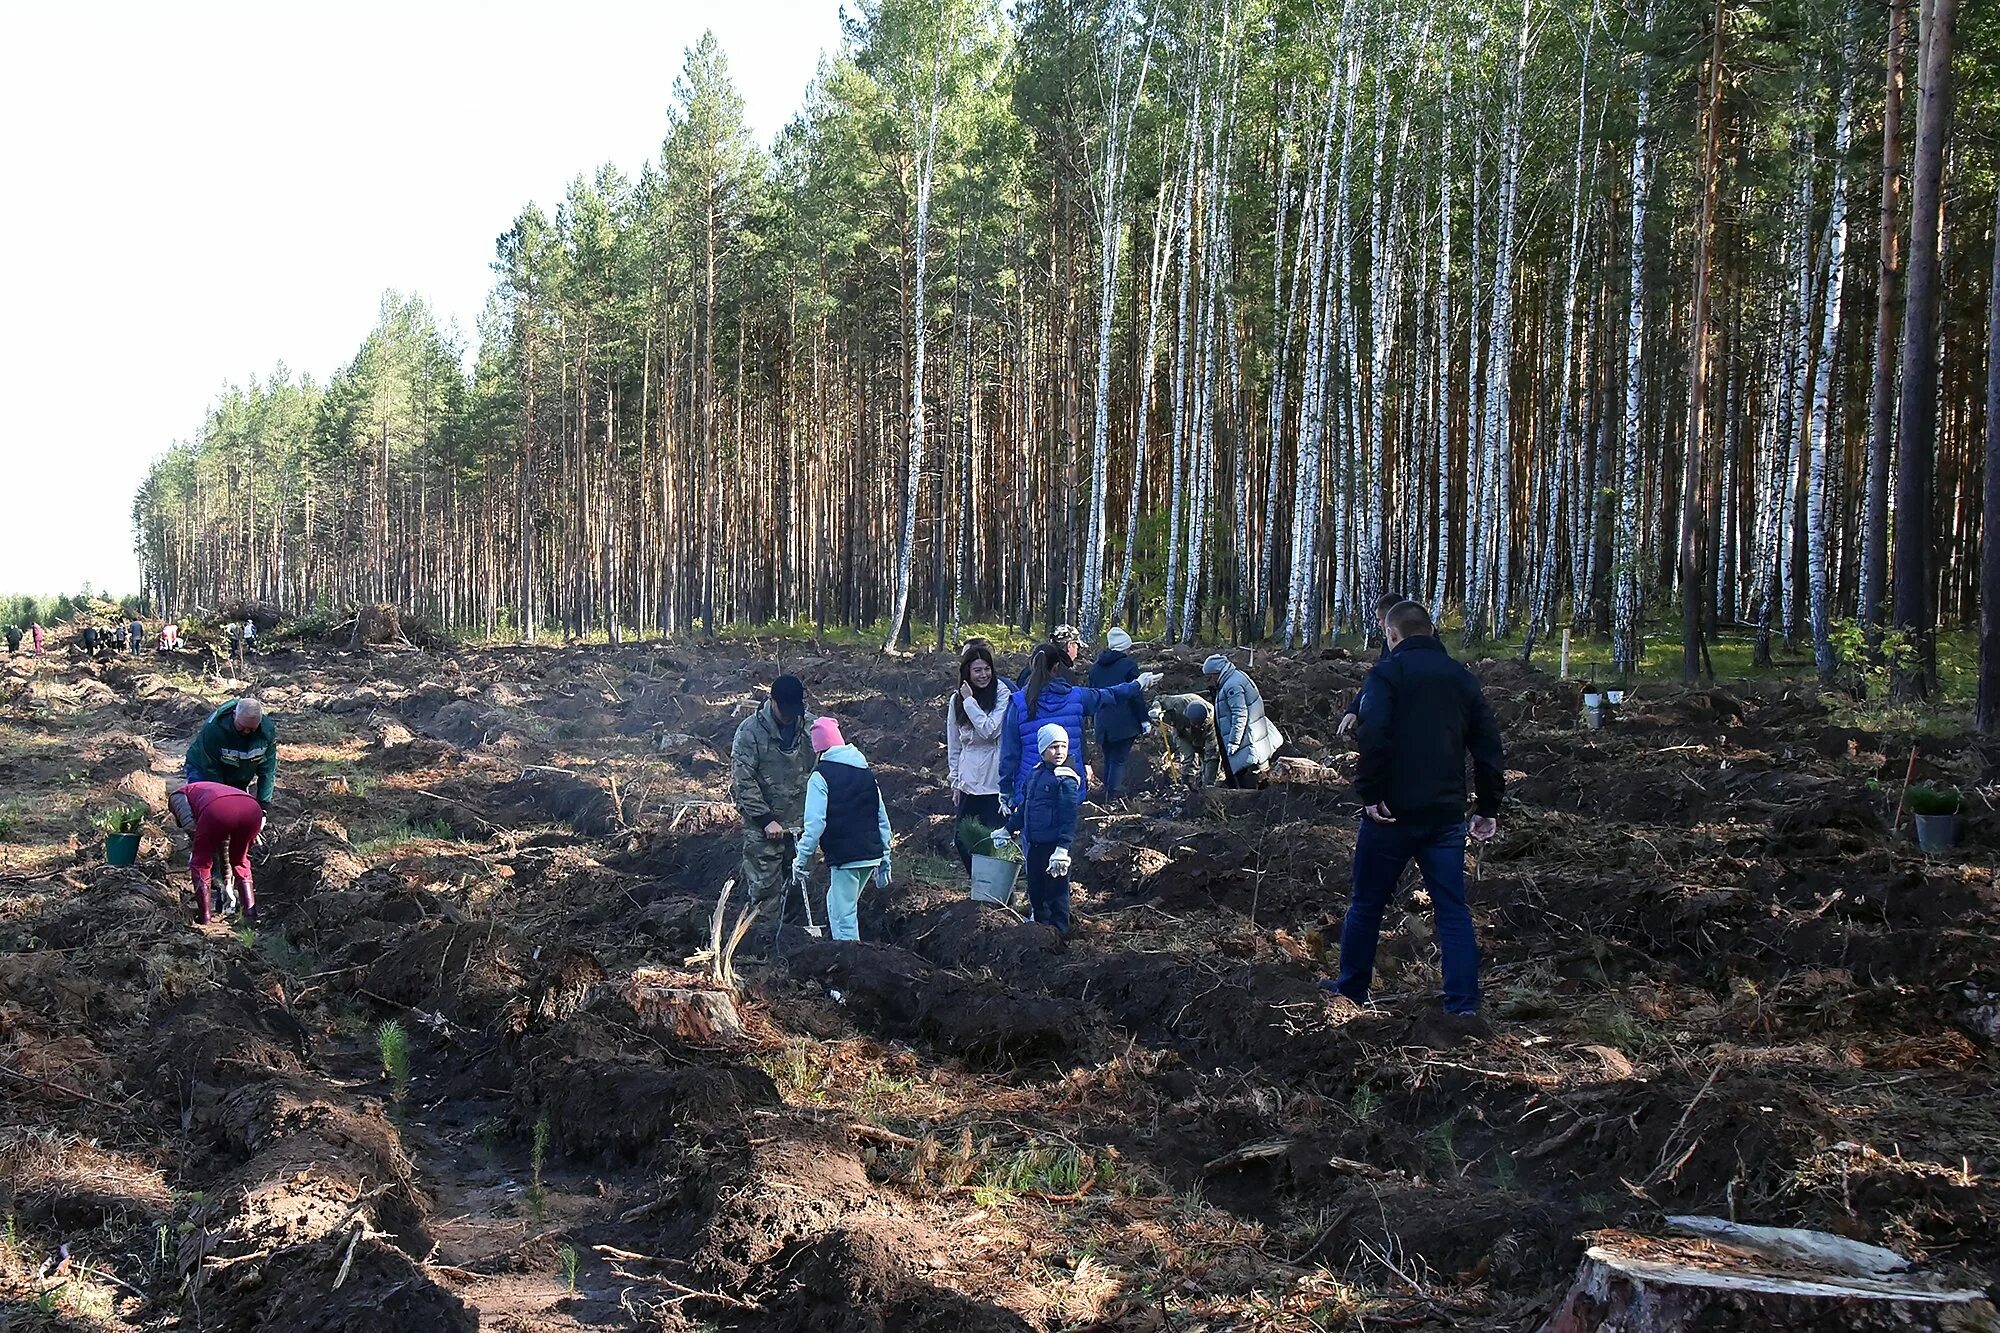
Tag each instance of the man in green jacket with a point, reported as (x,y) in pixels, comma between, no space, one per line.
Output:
(769,763)
(237,746)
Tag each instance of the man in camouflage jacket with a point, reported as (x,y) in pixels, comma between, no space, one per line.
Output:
(769,762)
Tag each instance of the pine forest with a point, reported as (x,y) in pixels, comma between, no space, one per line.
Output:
(1216,318)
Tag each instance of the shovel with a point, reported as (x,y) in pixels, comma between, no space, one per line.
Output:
(813,928)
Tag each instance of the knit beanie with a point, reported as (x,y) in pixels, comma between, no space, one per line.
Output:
(1118,639)
(1196,711)
(1050,733)
(789,693)
(1215,665)
(825,735)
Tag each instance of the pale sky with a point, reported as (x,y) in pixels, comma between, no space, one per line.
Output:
(191,192)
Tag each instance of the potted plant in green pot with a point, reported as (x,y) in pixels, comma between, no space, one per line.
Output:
(121,833)
(1936,808)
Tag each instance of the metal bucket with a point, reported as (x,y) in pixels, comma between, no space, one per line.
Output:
(993,878)
(1937,834)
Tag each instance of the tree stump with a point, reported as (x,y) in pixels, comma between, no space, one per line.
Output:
(1724,1276)
(694,1015)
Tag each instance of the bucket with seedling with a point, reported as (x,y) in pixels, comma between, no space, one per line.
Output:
(121,833)
(1937,809)
(996,861)
(1593,709)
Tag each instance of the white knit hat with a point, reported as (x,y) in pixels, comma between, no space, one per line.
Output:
(1215,665)
(1050,733)
(1118,639)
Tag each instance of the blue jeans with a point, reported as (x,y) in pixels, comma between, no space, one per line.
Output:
(1116,753)
(843,894)
(1380,853)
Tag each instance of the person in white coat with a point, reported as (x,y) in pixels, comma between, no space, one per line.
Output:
(972,725)
(1250,740)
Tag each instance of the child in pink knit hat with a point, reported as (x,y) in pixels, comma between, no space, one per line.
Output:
(847,819)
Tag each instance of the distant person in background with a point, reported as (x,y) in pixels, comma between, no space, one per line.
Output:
(235,642)
(238,747)
(770,761)
(170,637)
(225,817)
(35,628)
(1250,740)
(1189,721)
(972,724)
(847,819)
(1067,638)
(249,636)
(1124,722)
(90,637)
(13,639)
(135,635)
(1383,606)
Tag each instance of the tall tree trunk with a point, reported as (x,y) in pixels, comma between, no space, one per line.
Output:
(1823,406)
(1916,435)
(1986,710)
(906,539)
(1692,513)
(1625,572)
(1882,390)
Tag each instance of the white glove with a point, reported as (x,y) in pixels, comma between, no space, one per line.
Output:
(1149,679)
(1001,838)
(798,872)
(1154,713)
(1059,863)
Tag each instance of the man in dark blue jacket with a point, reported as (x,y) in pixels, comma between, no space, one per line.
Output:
(1421,714)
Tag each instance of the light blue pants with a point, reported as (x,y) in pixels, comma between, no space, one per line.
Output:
(843,892)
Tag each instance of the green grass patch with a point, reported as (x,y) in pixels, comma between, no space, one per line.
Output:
(408,831)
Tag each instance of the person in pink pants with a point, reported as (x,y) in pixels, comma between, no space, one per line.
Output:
(223,816)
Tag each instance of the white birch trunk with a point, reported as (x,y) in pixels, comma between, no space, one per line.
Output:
(907,538)
(1117,152)
(1822,400)
(1497,419)
(1625,563)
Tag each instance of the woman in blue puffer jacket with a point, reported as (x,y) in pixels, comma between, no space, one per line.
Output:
(1050,697)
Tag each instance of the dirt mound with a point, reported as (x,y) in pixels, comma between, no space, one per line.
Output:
(859,1279)
(467,972)
(894,991)
(585,803)
(381,1290)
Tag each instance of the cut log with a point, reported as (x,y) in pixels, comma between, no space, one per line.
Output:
(1728,1276)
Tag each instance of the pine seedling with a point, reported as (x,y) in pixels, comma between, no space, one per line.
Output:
(392,1042)
(568,1263)
(536,1198)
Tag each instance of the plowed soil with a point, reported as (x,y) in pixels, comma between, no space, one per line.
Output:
(1719,982)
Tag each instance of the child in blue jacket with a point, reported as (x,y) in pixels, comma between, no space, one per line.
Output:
(1046,823)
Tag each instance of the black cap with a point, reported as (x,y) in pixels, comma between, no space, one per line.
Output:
(789,693)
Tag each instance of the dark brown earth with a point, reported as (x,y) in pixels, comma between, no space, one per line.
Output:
(1719,983)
